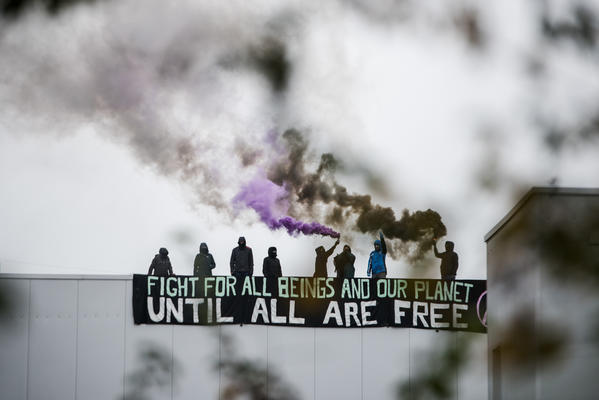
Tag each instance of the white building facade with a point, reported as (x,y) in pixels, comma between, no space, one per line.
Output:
(73,337)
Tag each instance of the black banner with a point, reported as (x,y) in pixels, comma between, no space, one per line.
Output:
(311,302)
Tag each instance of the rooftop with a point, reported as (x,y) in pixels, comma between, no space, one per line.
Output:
(534,191)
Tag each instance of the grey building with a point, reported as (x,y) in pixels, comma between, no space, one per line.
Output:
(73,337)
(543,297)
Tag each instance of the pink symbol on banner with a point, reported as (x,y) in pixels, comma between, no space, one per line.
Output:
(483,319)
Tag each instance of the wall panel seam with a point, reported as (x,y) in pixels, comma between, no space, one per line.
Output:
(362,362)
(172,361)
(409,363)
(267,371)
(77,342)
(125,344)
(28,342)
(314,363)
(220,360)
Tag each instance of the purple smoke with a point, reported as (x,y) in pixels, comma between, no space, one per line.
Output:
(292,225)
(269,200)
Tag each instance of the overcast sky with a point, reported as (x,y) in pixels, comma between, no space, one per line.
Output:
(94,102)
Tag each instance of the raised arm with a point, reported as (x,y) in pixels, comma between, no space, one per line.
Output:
(435,249)
(383,244)
(330,251)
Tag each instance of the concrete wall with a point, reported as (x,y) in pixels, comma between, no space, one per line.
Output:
(73,337)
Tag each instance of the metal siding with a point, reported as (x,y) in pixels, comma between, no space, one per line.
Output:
(249,344)
(83,340)
(338,363)
(386,358)
(472,378)
(101,341)
(52,340)
(196,350)
(13,339)
(291,357)
(425,347)
(139,340)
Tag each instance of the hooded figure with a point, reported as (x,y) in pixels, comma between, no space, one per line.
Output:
(161,264)
(322,256)
(271,267)
(344,263)
(242,260)
(204,262)
(376,262)
(449,260)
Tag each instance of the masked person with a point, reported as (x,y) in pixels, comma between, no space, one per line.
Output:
(271,267)
(204,262)
(242,260)
(377,266)
(161,264)
(344,263)
(322,256)
(449,260)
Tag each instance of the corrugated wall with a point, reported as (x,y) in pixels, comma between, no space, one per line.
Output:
(74,338)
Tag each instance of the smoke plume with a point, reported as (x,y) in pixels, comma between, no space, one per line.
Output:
(189,100)
(348,212)
(270,201)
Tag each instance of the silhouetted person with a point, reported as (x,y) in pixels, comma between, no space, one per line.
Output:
(377,266)
(242,260)
(271,267)
(344,263)
(204,262)
(161,264)
(322,256)
(449,260)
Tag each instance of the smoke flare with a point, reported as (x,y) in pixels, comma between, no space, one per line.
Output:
(270,201)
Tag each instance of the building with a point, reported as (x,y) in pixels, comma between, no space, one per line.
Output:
(543,297)
(73,337)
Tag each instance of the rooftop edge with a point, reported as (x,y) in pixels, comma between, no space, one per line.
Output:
(95,277)
(535,190)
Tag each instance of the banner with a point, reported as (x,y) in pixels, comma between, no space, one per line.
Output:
(311,302)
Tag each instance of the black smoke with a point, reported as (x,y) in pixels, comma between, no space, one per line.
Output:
(13,9)
(344,210)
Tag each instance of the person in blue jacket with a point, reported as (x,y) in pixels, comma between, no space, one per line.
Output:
(377,268)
